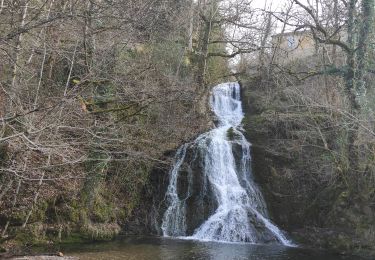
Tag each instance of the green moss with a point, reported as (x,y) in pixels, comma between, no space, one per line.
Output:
(102,212)
(92,216)
(74,212)
(343,197)
(230,133)
(32,234)
(257,120)
(100,231)
(38,214)
(73,238)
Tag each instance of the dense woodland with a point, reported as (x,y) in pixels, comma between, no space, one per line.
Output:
(96,95)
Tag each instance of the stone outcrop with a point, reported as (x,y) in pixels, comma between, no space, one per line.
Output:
(304,190)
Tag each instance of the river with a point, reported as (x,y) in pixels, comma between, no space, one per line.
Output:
(154,248)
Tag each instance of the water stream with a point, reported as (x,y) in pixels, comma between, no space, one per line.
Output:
(211,194)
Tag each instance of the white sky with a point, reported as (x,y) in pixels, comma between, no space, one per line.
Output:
(276,4)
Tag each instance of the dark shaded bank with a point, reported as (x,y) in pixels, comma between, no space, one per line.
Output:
(109,212)
(146,218)
(121,197)
(301,182)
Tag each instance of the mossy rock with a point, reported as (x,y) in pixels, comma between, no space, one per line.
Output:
(38,214)
(100,231)
(102,211)
(342,242)
(74,212)
(73,238)
(32,234)
(231,134)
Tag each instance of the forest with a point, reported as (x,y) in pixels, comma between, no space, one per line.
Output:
(117,122)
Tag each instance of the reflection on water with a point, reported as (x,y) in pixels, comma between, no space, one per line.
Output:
(153,248)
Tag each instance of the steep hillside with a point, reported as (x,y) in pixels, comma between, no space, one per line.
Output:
(299,159)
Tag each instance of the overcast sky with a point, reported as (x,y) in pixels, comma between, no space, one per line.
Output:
(274,3)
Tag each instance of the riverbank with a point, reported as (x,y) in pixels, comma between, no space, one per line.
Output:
(57,256)
(44,258)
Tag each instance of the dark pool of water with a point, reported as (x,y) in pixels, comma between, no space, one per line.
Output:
(154,248)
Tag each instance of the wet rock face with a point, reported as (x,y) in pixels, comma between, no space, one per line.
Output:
(238,153)
(262,233)
(194,188)
(280,173)
(211,194)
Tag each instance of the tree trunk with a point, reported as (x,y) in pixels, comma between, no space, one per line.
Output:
(263,44)
(191,27)
(349,88)
(18,47)
(362,48)
(204,54)
(12,209)
(357,66)
(87,37)
(336,25)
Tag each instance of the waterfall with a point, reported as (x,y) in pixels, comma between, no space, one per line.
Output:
(211,193)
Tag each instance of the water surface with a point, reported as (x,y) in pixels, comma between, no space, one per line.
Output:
(154,248)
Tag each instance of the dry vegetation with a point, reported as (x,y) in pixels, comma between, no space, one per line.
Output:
(312,126)
(94,93)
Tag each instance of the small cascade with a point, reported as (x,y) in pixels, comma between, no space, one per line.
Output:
(211,193)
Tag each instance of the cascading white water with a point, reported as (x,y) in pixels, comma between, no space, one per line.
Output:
(241,214)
